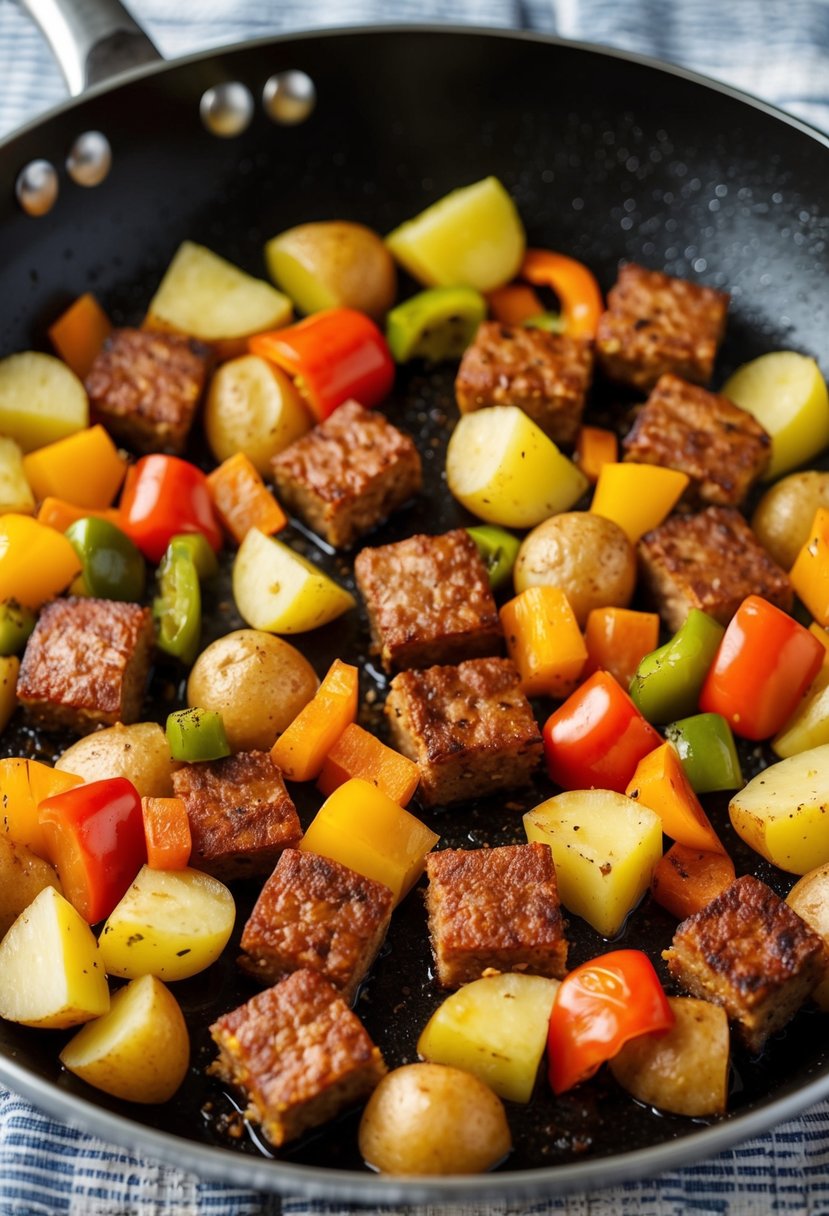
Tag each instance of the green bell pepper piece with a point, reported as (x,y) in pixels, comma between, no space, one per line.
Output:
(197,547)
(16,623)
(196,734)
(551,322)
(177,607)
(498,549)
(706,748)
(668,681)
(436,324)
(113,568)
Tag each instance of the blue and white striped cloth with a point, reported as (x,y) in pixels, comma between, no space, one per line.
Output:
(776,49)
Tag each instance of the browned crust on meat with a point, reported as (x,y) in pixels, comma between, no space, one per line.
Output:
(428,600)
(145,387)
(749,952)
(314,912)
(470,729)
(298,1054)
(655,324)
(348,474)
(494,908)
(86,664)
(720,446)
(241,816)
(546,375)
(711,560)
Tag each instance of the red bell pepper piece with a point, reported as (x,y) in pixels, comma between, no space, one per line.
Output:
(334,355)
(596,738)
(95,838)
(162,497)
(578,292)
(599,1007)
(764,665)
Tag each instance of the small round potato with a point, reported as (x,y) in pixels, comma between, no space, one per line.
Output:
(590,558)
(256,681)
(784,514)
(432,1119)
(333,264)
(139,752)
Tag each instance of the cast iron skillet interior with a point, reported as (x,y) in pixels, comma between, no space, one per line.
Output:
(608,158)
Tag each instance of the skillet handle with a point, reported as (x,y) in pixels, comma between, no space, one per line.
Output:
(92,40)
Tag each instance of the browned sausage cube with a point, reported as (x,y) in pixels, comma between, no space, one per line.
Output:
(145,388)
(86,664)
(314,912)
(546,375)
(720,446)
(298,1054)
(751,953)
(348,474)
(711,561)
(494,908)
(241,816)
(428,600)
(656,324)
(469,729)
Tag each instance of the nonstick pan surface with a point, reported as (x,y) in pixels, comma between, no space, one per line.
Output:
(609,158)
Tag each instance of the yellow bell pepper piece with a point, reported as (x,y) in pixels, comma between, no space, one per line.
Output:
(300,750)
(637,496)
(85,469)
(362,828)
(23,785)
(810,572)
(544,641)
(36,562)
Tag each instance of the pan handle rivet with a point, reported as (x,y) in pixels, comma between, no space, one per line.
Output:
(89,159)
(227,109)
(37,187)
(289,97)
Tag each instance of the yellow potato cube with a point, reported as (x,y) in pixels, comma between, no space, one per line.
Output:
(253,407)
(783,813)
(282,592)
(809,725)
(41,400)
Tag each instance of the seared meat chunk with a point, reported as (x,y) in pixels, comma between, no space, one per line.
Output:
(711,561)
(145,388)
(494,908)
(86,664)
(720,446)
(348,474)
(428,600)
(656,324)
(751,953)
(241,816)
(314,912)
(470,729)
(546,375)
(298,1054)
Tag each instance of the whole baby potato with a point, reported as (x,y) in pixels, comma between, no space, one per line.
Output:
(784,514)
(256,681)
(333,264)
(139,752)
(432,1119)
(590,558)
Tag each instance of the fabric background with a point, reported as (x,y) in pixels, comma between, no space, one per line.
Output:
(776,49)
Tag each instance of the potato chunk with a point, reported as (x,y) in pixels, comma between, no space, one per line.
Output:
(138,752)
(41,400)
(810,899)
(23,875)
(280,591)
(783,813)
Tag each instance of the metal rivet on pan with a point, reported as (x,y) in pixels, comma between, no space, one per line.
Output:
(37,187)
(89,159)
(289,97)
(227,109)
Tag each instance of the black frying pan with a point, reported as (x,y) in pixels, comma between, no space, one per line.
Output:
(608,157)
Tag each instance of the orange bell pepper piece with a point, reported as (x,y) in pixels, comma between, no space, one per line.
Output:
(167,833)
(514,304)
(810,572)
(242,500)
(595,447)
(617,639)
(300,750)
(58,514)
(659,783)
(578,292)
(79,333)
(544,641)
(686,880)
(36,562)
(637,497)
(24,784)
(359,754)
(85,468)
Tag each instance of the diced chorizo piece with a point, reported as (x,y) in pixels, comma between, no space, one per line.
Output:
(721,447)
(428,600)
(314,912)
(241,816)
(348,474)
(145,388)
(494,908)
(656,324)
(546,375)
(469,729)
(86,664)
(711,560)
(749,952)
(298,1054)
